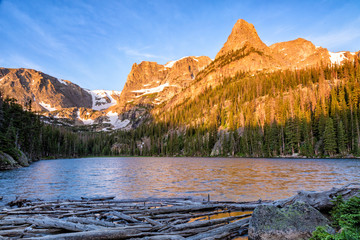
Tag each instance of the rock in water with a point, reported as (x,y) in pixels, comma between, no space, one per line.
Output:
(293,222)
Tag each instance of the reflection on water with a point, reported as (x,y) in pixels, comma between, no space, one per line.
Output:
(222,178)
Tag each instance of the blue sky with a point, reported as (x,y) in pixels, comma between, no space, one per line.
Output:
(94,43)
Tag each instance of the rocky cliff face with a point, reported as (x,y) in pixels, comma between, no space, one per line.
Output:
(43,92)
(242,34)
(153,83)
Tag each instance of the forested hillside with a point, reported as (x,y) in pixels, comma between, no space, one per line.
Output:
(312,112)
(24,138)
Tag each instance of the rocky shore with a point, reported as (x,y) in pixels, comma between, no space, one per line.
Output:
(8,162)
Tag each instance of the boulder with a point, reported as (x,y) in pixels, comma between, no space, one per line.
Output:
(293,222)
(7,162)
(22,159)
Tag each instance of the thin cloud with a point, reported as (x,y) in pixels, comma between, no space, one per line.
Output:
(337,39)
(138,54)
(24,62)
(46,40)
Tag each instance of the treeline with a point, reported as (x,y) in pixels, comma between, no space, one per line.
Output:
(19,130)
(311,112)
(22,131)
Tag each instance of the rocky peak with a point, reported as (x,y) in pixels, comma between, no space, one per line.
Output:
(153,83)
(243,33)
(299,53)
(44,92)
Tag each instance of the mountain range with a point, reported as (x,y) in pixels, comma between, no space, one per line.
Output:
(156,88)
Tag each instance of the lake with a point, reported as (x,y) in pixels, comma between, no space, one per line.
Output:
(236,179)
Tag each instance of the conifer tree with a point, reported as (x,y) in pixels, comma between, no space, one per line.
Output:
(341,138)
(329,138)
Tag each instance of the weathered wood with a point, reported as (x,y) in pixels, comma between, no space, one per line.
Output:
(93,235)
(161,237)
(245,207)
(194,231)
(125,217)
(321,200)
(190,208)
(36,212)
(152,222)
(91,221)
(207,222)
(98,199)
(88,212)
(28,230)
(47,222)
(226,228)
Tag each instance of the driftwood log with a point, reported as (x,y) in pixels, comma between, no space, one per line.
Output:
(152,218)
(322,200)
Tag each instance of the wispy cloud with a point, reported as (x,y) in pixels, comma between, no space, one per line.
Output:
(24,62)
(348,35)
(46,42)
(140,54)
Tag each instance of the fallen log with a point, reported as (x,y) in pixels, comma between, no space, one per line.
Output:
(98,199)
(161,237)
(28,230)
(207,222)
(91,221)
(47,222)
(93,235)
(124,217)
(88,211)
(152,222)
(216,231)
(190,208)
(321,200)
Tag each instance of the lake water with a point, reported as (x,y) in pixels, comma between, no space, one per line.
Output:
(222,178)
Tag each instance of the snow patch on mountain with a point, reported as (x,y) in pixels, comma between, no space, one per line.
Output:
(62,81)
(171,63)
(103,99)
(47,106)
(153,90)
(115,121)
(337,58)
(85,121)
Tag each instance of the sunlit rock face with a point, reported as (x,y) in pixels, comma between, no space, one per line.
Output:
(153,83)
(43,92)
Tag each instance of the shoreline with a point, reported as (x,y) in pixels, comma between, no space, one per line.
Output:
(202,157)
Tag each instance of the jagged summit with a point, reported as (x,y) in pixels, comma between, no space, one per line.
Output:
(241,34)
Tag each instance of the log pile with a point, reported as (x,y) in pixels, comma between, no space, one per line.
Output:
(150,218)
(107,218)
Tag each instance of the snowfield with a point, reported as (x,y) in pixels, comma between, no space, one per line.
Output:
(171,63)
(153,90)
(47,106)
(85,121)
(337,58)
(99,98)
(62,81)
(115,121)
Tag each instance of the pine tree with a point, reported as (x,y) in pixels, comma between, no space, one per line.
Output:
(329,138)
(341,138)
